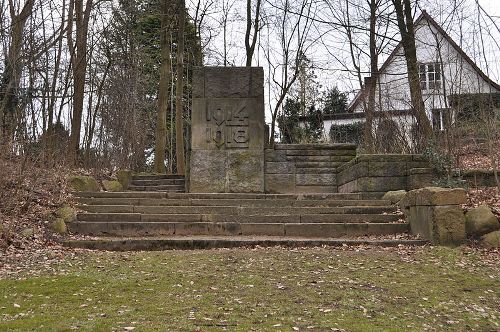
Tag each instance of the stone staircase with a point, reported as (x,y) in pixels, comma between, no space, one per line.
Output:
(305,168)
(158,182)
(160,220)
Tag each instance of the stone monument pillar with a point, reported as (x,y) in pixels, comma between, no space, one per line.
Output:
(227,143)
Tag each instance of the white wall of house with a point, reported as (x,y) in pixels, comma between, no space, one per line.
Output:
(457,75)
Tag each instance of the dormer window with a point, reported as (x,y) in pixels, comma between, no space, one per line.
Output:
(430,76)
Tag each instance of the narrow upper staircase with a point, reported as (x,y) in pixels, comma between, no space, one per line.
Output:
(158,182)
(153,220)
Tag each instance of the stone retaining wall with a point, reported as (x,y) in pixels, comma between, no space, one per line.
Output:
(378,174)
(479,178)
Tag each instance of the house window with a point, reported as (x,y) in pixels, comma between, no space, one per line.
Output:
(430,76)
(441,119)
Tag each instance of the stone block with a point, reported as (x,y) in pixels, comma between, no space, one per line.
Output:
(354,171)
(245,171)
(421,177)
(381,183)
(436,196)
(208,171)
(449,225)
(441,225)
(315,179)
(387,168)
(280,183)
(280,167)
(275,155)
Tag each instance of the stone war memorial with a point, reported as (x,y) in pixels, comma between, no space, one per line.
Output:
(227,152)
(254,193)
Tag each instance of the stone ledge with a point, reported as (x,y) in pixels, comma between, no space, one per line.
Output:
(435,196)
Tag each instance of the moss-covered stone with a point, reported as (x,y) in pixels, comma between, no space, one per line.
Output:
(58,226)
(112,185)
(28,232)
(83,183)
(124,176)
(491,240)
(66,213)
(480,221)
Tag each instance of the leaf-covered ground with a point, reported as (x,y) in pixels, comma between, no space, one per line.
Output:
(262,289)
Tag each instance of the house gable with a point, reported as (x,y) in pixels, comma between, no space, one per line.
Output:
(459,74)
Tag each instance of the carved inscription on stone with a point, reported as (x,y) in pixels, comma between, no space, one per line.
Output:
(227,124)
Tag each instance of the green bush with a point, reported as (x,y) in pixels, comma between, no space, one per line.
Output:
(347,133)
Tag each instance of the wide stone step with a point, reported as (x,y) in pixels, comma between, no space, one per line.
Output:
(236,210)
(271,217)
(332,230)
(164,187)
(334,160)
(315,146)
(315,170)
(157,177)
(318,164)
(230,202)
(159,182)
(210,242)
(236,196)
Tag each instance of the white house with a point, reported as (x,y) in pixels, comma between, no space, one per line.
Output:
(445,70)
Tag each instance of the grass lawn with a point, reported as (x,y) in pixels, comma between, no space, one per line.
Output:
(263,289)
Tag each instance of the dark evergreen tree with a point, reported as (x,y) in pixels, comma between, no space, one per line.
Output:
(288,123)
(334,101)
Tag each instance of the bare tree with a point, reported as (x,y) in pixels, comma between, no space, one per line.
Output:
(179,88)
(163,88)
(250,45)
(11,78)
(78,50)
(404,15)
(293,30)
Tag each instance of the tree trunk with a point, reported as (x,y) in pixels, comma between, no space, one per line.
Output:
(165,72)
(406,29)
(11,78)
(250,46)
(372,82)
(179,105)
(79,62)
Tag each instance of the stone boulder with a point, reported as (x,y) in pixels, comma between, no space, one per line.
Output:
(112,185)
(124,177)
(394,196)
(83,183)
(480,221)
(58,226)
(491,240)
(66,213)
